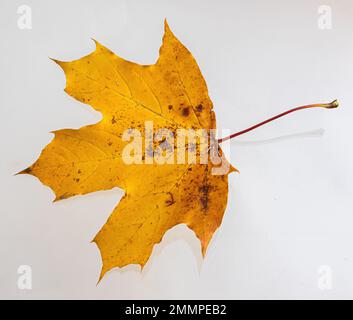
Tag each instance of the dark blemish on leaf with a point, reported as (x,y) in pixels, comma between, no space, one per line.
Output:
(185,112)
(170,107)
(65,196)
(204,190)
(113,120)
(199,108)
(79,171)
(77,180)
(170,201)
(110,143)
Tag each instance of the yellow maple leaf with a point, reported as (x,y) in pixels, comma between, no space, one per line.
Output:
(171,94)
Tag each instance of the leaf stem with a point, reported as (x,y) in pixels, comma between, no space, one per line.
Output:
(333,104)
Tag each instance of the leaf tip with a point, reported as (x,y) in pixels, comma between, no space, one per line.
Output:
(98,45)
(165,23)
(233,169)
(62,196)
(25,171)
(60,63)
(101,275)
(166,26)
(95,42)
(142,266)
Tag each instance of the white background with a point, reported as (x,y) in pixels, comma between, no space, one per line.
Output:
(289,210)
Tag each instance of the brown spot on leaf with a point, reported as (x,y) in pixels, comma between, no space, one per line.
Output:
(185,111)
(204,190)
(64,196)
(170,201)
(199,108)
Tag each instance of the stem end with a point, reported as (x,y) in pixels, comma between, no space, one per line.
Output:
(333,104)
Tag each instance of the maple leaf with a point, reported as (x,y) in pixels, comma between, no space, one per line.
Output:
(173,94)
